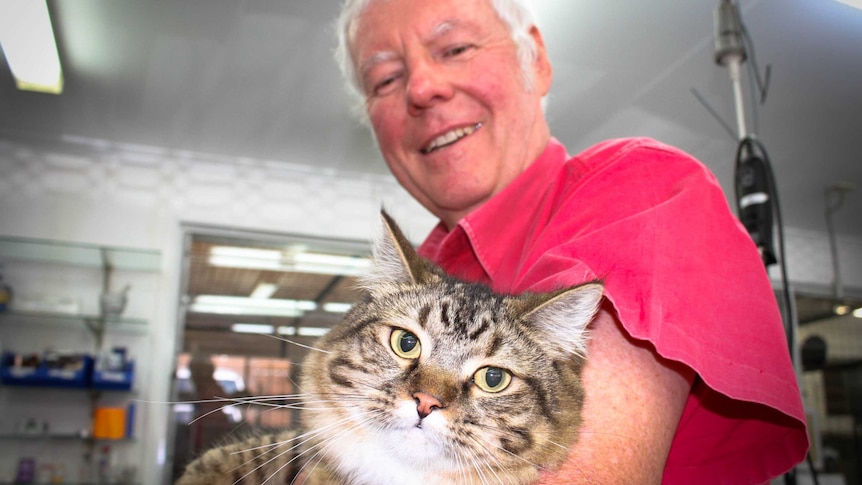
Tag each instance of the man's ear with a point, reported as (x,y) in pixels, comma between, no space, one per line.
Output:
(542,70)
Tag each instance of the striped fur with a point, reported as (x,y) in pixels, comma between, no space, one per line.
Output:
(253,460)
(374,414)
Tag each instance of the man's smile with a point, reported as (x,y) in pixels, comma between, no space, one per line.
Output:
(450,137)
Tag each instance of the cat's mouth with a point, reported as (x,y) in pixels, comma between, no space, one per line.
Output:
(450,137)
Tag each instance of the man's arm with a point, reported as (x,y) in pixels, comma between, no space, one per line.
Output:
(634,400)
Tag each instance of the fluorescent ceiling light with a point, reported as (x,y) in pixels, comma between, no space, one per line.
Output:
(251,328)
(263,291)
(841,309)
(239,305)
(28,43)
(245,258)
(335,307)
(288,260)
(312,331)
(303,331)
(330,264)
(857,312)
(852,3)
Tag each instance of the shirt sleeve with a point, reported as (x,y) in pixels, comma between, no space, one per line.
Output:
(679,268)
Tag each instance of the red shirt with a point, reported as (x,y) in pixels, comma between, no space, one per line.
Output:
(681,272)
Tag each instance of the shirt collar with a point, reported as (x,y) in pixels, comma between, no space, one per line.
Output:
(502,224)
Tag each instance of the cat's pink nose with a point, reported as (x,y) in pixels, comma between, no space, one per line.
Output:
(425,403)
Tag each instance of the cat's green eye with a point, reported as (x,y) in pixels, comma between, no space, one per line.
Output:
(405,344)
(492,379)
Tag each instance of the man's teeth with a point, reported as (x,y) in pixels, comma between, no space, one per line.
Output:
(451,137)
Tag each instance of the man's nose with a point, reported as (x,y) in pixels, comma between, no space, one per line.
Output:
(427,85)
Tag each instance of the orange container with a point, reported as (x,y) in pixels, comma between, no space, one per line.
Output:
(109,423)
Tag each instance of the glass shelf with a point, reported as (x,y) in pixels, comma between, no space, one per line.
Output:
(40,392)
(79,254)
(113,324)
(70,436)
(70,483)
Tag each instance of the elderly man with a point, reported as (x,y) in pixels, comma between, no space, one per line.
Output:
(688,378)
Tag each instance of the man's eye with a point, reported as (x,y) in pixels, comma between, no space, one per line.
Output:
(382,84)
(382,87)
(457,50)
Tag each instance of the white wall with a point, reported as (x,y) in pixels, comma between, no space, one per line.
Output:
(809,262)
(129,196)
(121,195)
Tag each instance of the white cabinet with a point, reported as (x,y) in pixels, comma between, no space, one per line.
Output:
(68,375)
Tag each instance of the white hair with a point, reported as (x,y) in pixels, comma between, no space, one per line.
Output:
(514,13)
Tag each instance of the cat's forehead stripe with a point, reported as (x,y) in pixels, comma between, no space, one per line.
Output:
(359,327)
(517,446)
(342,366)
(445,318)
(542,396)
(483,327)
(496,344)
(423,315)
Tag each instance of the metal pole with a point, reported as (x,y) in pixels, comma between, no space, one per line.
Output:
(733,63)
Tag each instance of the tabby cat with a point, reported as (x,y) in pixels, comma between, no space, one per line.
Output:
(428,380)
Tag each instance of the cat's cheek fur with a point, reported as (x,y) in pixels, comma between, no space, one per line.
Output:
(409,433)
(424,447)
(408,456)
(405,414)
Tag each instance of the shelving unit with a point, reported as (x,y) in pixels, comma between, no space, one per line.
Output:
(93,322)
(79,254)
(81,394)
(59,437)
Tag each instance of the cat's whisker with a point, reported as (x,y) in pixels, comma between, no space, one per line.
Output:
(332,405)
(479,472)
(283,466)
(292,342)
(480,467)
(507,432)
(583,474)
(534,464)
(311,463)
(366,417)
(469,461)
(171,403)
(326,444)
(302,439)
(212,411)
(251,460)
(301,401)
(503,431)
(270,447)
(463,470)
(558,445)
(228,403)
(482,444)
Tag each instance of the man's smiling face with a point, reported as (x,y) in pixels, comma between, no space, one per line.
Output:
(448,100)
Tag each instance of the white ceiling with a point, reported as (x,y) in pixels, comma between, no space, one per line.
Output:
(255,78)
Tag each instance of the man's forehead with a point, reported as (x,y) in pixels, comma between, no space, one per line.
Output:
(426,32)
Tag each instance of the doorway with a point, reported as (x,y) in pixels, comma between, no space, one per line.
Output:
(252,305)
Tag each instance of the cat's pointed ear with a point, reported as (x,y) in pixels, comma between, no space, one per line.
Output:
(562,316)
(395,260)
